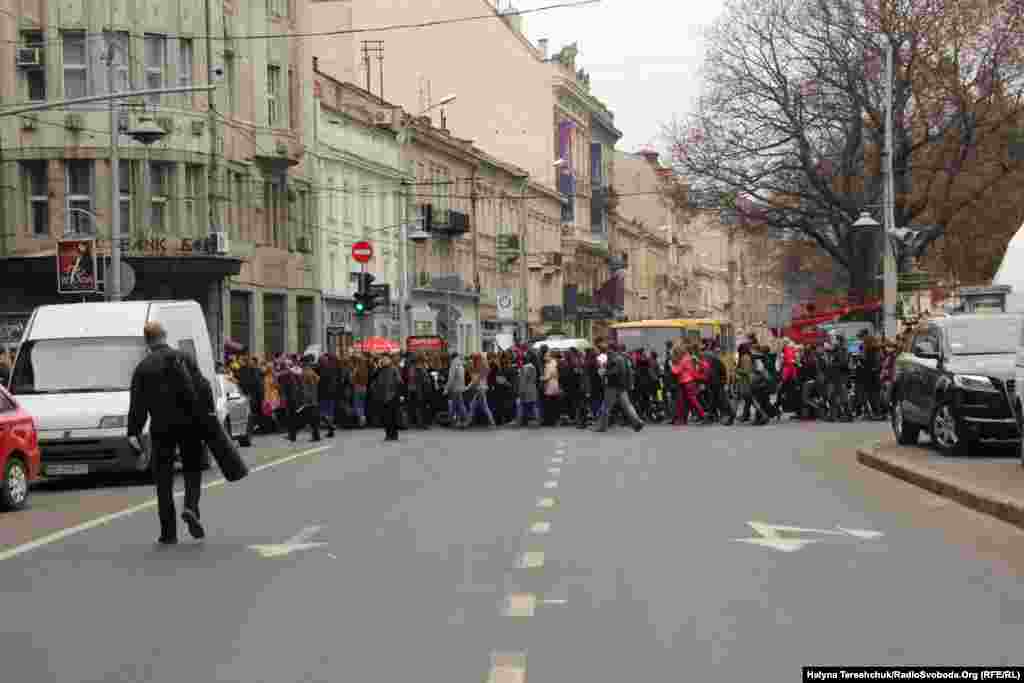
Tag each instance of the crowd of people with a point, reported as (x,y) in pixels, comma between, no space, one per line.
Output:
(688,382)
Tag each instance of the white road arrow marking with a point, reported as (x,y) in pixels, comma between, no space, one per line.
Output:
(770,536)
(299,541)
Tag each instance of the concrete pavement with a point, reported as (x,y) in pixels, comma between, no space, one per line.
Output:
(554,554)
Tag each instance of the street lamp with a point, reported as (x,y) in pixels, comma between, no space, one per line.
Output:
(866,222)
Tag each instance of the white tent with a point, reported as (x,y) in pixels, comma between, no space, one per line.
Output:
(1011,272)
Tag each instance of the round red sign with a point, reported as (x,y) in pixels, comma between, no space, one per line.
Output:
(362,251)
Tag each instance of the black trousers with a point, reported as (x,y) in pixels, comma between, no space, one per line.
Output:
(307,417)
(720,403)
(165,449)
(389,415)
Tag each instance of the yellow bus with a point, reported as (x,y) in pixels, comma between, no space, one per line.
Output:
(652,334)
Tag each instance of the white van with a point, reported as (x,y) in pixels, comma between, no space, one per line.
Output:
(73,375)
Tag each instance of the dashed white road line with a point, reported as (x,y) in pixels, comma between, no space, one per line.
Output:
(107,519)
(552,484)
(557,461)
(531,559)
(545,502)
(540,528)
(554,471)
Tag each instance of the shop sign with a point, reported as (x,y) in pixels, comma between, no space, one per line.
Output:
(76,266)
(551,313)
(591,312)
(159,246)
(506,304)
(425,343)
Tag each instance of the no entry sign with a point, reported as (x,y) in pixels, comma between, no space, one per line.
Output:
(362,251)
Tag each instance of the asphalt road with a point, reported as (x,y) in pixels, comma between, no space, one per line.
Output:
(547,554)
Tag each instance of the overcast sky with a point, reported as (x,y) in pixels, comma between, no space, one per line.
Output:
(643,56)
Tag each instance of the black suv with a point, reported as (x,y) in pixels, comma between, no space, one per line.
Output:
(958,383)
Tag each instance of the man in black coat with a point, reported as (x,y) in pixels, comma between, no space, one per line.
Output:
(168,388)
(720,403)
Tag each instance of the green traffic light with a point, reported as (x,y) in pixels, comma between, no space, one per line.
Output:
(360,307)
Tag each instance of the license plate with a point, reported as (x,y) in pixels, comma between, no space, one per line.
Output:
(65,470)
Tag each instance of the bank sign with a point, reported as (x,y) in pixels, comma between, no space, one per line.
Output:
(159,246)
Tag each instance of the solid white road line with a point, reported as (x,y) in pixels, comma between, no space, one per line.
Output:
(107,519)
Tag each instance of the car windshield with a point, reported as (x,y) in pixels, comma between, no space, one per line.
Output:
(71,366)
(983,336)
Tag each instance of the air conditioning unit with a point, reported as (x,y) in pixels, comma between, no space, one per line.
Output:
(305,245)
(29,57)
(197,127)
(166,123)
(29,121)
(74,121)
(384,118)
(554,259)
(221,239)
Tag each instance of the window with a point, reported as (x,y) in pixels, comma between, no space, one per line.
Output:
(35,76)
(156,60)
(122,60)
(38,197)
(293,97)
(193,196)
(79,198)
(240,203)
(229,76)
(76,64)
(277,8)
(160,183)
(241,318)
(273,94)
(274,330)
(125,187)
(185,61)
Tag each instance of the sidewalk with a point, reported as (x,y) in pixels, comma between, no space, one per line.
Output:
(992,485)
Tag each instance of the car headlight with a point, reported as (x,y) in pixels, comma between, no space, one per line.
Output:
(114,422)
(974,382)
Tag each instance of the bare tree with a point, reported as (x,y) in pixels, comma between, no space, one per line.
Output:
(792,116)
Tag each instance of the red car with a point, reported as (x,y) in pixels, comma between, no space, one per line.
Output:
(20,458)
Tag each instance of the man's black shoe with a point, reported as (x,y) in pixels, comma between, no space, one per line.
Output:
(638,426)
(194,527)
(167,540)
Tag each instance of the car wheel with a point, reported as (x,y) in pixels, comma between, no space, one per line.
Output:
(245,440)
(907,434)
(945,432)
(14,487)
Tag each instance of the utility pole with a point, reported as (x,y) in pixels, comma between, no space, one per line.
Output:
(215,225)
(889,293)
(476,253)
(114,293)
(523,270)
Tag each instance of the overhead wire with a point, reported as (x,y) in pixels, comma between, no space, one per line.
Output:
(310,34)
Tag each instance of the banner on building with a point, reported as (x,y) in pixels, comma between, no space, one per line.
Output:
(506,304)
(612,292)
(76,266)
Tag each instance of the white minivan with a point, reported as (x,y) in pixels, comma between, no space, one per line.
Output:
(73,375)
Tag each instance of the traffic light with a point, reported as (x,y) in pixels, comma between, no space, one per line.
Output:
(365,301)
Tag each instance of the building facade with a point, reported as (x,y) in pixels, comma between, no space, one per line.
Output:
(585,136)
(501,83)
(214,211)
(363,193)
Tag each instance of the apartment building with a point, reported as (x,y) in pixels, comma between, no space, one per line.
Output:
(215,210)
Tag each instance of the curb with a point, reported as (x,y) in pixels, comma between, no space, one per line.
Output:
(976,498)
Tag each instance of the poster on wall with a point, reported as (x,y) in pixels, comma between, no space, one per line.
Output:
(76,266)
